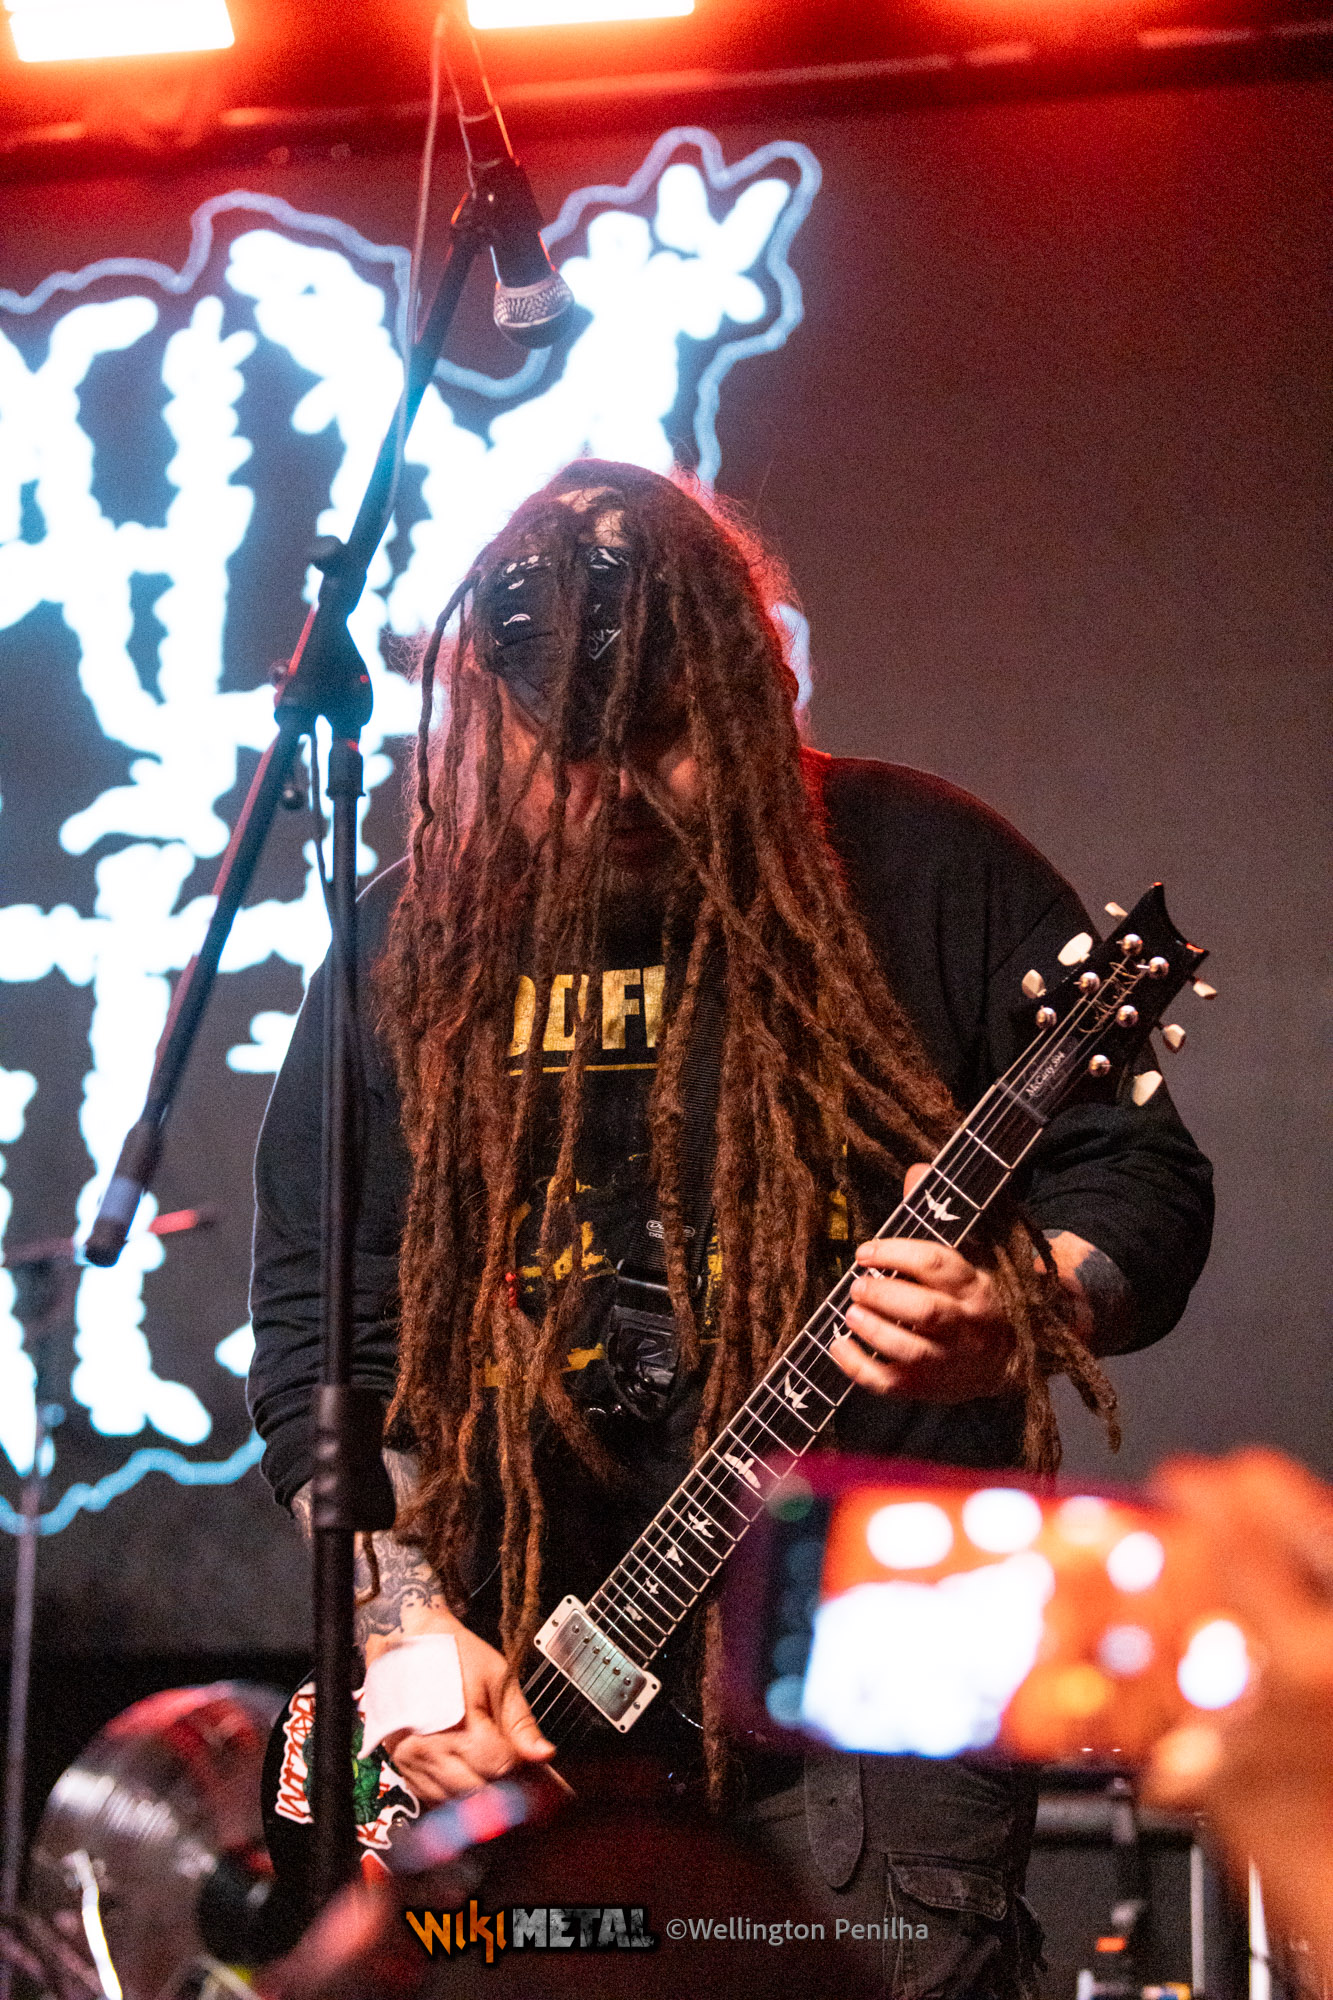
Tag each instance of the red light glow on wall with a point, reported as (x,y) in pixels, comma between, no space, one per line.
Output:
(558,13)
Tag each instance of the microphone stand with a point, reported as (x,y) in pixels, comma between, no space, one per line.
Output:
(44,1302)
(326,677)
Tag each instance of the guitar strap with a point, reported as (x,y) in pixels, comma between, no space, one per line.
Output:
(702,1088)
(642,1339)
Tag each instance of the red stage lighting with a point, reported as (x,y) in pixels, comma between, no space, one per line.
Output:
(557,13)
(71,30)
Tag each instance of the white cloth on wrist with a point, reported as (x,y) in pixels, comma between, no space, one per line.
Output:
(417,1685)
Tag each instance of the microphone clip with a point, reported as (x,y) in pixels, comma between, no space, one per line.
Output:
(533,304)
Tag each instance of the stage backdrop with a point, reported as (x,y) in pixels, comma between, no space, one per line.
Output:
(1034,400)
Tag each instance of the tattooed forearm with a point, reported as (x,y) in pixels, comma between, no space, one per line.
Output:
(408,1586)
(1103,1288)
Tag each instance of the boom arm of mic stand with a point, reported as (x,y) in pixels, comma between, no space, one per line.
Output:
(326,677)
(142,1148)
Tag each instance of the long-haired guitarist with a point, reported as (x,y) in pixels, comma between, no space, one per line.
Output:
(665,1008)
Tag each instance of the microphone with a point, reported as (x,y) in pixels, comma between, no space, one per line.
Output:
(532,301)
(120,1204)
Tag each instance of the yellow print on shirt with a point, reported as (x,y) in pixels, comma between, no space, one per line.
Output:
(592,1259)
(628,994)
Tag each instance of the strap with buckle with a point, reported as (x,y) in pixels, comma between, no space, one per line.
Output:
(642,1343)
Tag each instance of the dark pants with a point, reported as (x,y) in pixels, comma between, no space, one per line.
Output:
(916,1868)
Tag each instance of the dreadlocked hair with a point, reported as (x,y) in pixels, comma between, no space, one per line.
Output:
(824,1084)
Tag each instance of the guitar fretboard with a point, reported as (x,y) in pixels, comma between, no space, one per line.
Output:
(662,1576)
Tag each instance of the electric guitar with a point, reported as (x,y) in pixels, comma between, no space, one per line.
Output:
(594,1659)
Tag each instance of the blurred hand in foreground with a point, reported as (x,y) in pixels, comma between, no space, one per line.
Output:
(1262,1772)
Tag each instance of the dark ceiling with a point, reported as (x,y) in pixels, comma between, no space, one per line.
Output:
(307,73)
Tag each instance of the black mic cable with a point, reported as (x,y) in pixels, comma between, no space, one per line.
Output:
(532,301)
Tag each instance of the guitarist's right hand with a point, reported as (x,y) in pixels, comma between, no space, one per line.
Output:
(497,1733)
(402,1599)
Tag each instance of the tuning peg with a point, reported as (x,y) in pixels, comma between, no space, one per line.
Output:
(1033,985)
(1076,950)
(1173,1035)
(1145,1085)
(1114,910)
(1204,990)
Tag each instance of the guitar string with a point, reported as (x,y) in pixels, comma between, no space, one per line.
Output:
(610,1614)
(644,1549)
(1006,1091)
(1006,1095)
(830,1313)
(664,1526)
(959,1153)
(613,1605)
(644,1573)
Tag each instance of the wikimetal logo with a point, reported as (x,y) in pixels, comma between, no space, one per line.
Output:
(549,1927)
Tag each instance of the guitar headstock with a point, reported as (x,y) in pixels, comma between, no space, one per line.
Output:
(1094,1025)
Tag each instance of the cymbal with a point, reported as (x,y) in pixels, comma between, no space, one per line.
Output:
(164,1803)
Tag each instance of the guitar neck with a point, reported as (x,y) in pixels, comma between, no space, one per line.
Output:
(663,1575)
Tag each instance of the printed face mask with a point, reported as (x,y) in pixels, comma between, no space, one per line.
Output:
(518,607)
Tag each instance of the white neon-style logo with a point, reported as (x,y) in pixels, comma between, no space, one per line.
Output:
(676,295)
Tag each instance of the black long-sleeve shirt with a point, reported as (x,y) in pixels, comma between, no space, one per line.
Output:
(958,907)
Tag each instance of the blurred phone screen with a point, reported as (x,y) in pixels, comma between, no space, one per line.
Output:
(881,1609)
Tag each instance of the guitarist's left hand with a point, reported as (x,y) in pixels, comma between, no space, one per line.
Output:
(934,1322)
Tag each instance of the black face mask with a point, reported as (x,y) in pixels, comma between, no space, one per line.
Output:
(518,607)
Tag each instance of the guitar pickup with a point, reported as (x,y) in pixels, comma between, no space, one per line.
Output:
(606,1678)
